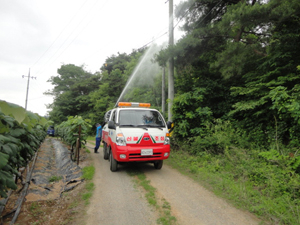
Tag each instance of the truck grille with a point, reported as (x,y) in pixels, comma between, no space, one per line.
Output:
(139,156)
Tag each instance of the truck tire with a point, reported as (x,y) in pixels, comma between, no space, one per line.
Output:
(158,164)
(105,151)
(113,163)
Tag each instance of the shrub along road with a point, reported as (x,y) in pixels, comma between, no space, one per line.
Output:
(119,198)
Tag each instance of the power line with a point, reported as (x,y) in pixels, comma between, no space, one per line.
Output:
(153,40)
(208,13)
(63,42)
(179,22)
(93,6)
(60,33)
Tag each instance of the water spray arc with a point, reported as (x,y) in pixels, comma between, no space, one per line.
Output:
(144,67)
(130,79)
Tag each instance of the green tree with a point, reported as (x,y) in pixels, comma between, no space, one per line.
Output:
(237,52)
(72,87)
(276,71)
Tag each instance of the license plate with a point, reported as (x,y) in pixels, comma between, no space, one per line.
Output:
(147,152)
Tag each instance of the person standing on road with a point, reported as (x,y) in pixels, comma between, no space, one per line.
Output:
(98,137)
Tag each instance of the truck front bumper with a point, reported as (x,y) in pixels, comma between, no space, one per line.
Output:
(133,153)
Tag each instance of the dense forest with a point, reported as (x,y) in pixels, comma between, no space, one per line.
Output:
(239,62)
(237,86)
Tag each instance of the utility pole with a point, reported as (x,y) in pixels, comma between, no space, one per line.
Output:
(27,87)
(163,96)
(171,62)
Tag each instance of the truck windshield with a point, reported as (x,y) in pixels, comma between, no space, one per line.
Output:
(145,118)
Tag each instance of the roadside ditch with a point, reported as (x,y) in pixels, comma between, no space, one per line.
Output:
(51,194)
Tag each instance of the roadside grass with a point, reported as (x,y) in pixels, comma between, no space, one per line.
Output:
(88,174)
(90,138)
(248,184)
(54,178)
(87,150)
(161,205)
(78,202)
(35,209)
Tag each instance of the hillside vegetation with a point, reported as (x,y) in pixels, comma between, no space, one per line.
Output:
(237,98)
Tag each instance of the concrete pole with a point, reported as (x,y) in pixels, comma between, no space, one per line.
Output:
(163,96)
(171,62)
(27,87)
(27,90)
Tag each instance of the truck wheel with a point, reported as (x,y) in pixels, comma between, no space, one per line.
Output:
(158,164)
(113,163)
(105,151)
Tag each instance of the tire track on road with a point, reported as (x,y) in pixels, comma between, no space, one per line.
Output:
(192,204)
(115,200)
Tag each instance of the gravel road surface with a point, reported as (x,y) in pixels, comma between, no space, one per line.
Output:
(116,200)
(193,204)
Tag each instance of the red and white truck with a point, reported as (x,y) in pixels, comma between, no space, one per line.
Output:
(133,132)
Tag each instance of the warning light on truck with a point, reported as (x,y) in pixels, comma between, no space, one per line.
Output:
(133,104)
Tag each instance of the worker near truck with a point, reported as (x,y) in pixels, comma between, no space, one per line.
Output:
(98,137)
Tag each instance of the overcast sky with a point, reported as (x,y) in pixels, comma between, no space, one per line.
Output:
(41,35)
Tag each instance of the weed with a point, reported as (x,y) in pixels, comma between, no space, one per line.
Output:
(166,220)
(261,182)
(164,209)
(90,138)
(33,206)
(73,205)
(67,221)
(88,172)
(86,197)
(54,178)
(36,222)
(166,205)
(35,209)
(90,186)
(151,198)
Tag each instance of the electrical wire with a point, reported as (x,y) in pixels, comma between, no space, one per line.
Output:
(77,34)
(60,33)
(179,22)
(43,68)
(145,45)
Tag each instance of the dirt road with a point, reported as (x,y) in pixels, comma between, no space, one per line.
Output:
(116,200)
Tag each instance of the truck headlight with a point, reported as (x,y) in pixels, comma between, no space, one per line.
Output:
(122,156)
(120,140)
(167,141)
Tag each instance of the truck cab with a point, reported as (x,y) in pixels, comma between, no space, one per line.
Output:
(133,132)
(51,131)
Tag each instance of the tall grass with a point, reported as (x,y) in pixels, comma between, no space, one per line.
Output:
(263,181)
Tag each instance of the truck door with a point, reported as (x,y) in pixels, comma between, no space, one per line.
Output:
(112,132)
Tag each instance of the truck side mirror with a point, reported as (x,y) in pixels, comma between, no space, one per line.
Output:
(111,125)
(169,124)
